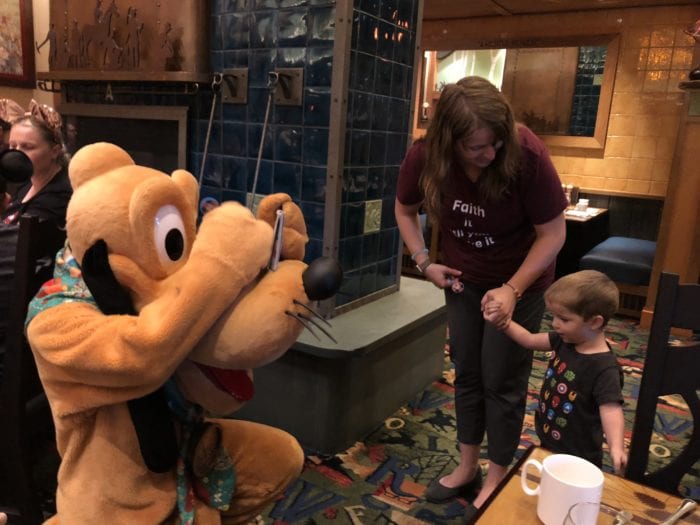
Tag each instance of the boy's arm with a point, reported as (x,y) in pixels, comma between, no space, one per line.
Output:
(613,420)
(527,339)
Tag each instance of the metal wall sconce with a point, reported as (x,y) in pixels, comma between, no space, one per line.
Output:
(235,86)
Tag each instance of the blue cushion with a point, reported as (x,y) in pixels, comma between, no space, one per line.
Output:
(623,259)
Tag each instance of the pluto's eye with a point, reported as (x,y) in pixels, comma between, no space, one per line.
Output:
(169,234)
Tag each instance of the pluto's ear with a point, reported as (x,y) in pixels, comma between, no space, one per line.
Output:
(189,186)
(110,296)
(94,160)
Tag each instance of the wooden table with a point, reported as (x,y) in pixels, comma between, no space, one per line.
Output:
(572,214)
(510,505)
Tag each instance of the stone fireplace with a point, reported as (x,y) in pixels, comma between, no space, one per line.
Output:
(154,136)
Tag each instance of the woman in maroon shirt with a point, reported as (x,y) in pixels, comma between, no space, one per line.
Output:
(490,186)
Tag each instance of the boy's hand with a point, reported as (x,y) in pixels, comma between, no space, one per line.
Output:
(495,313)
(613,421)
(492,307)
(506,305)
(619,461)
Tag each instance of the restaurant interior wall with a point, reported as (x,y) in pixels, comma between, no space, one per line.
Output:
(262,36)
(655,55)
(361,229)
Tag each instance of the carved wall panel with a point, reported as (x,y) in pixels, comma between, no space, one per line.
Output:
(128,40)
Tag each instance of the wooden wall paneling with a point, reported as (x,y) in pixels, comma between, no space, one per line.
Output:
(543,30)
(142,41)
(678,246)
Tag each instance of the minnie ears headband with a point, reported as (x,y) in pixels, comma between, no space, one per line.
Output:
(11,111)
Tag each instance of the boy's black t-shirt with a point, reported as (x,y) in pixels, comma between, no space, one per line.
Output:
(575,385)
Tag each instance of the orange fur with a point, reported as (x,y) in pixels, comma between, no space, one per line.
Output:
(215,306)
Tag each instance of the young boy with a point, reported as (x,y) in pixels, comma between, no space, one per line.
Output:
(581,395)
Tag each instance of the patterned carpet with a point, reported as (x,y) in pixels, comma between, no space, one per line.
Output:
(381,480)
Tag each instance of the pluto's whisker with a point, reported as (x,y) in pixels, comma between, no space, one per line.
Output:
(317,325)
(302,321)
(314,312)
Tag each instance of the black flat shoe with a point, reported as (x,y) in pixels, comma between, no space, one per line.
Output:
(439,493)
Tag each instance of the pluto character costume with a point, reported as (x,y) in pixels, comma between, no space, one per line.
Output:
(149,326)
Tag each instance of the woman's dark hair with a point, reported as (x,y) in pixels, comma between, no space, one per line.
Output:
(463,108)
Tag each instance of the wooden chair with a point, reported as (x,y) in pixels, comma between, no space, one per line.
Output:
(669,368)
(24,411)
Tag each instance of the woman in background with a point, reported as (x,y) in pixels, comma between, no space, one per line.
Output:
(5,197)
(490,186)
(37,133)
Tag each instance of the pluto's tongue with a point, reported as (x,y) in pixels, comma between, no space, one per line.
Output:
(234,382)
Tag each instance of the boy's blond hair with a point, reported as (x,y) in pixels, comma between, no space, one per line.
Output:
(586,293)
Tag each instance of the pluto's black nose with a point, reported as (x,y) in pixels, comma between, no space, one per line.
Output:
(322,278)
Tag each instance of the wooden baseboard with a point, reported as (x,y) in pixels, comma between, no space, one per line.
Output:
(633,289)
(632,299)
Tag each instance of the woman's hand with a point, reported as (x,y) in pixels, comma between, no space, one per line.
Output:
(440,275)
(498,305)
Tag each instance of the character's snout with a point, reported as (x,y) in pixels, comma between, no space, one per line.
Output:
(322,278)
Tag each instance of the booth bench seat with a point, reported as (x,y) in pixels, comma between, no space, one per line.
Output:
(628,262)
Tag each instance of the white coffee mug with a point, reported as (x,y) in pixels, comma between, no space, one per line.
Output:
(564,481)
(582,205)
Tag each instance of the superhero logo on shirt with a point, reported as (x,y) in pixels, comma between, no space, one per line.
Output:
(557,399)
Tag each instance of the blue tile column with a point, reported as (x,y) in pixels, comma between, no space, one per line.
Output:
(589,73)
(262,35)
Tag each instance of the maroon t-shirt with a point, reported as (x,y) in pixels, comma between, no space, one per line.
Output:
(488,242)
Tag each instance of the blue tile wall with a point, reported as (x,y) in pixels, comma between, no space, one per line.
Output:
(264,34)
(380,87)
(591,62)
